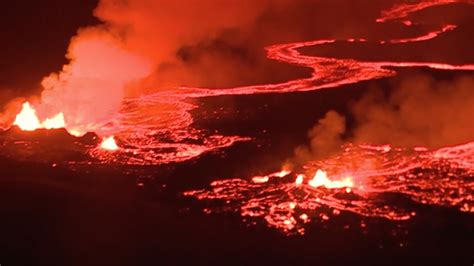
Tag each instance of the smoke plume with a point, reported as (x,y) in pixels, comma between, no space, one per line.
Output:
(90,89)
(325,137)
(421,111)
(418,111)
(146,45)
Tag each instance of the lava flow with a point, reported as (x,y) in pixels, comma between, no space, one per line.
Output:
(355,182)
(157,129)
(109,144)
(360,178)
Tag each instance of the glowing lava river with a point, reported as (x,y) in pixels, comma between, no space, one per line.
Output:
(158,129)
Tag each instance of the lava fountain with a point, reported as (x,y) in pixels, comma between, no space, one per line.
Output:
(321,179)
(109,144)
(28,120)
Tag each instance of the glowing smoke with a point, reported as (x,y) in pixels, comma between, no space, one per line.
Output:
(221,43)
(90,89)
(419,111)
(172,43)
(325,137)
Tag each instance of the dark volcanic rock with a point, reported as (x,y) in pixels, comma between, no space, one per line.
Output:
(53,145)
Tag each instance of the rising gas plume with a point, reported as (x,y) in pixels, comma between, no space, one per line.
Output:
(419,111)
(325,137)
(89,90)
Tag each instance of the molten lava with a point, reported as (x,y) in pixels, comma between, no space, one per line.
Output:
(444,177)
(157,129)
(321,179)
(55,122)
(28,120)
(109,144)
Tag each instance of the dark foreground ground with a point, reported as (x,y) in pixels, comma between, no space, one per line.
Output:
(99,216)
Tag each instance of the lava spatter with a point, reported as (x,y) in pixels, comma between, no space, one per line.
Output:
(354,181)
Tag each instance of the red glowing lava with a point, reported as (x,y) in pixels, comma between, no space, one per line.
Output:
(109,144)
(321,179)
(28,120)
(172,121)
(156,128)
(355,180)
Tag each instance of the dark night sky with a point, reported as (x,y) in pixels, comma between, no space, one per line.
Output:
(34,38)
